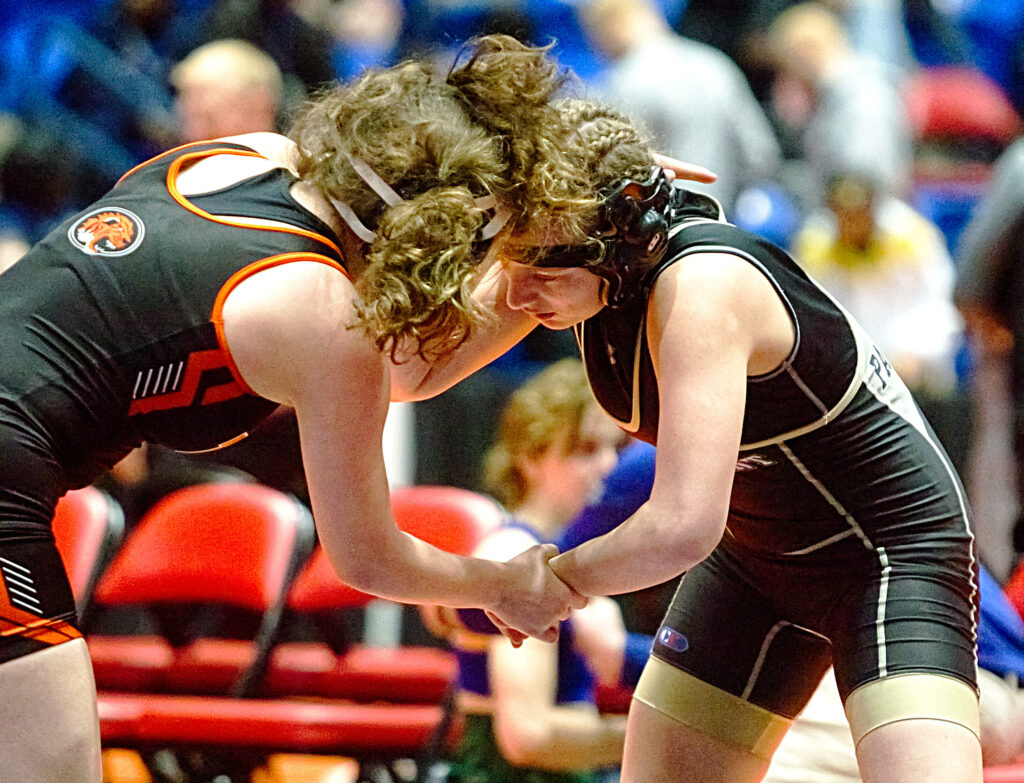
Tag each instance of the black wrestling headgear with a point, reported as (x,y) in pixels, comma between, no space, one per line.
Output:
(633,234)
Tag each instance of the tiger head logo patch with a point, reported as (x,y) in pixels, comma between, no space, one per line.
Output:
(108,231)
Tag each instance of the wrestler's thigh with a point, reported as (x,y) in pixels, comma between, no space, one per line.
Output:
(725,663)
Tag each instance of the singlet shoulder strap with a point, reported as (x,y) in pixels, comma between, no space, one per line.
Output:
(164,159)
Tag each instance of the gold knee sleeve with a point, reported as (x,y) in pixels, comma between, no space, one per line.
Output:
(909,696)
(709,710)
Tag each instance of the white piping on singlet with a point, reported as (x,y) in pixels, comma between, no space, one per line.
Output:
(900,403)
(766,643)
(883,560)
(827,414)
(755,672)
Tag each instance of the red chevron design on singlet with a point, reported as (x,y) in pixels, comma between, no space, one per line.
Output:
(196,364)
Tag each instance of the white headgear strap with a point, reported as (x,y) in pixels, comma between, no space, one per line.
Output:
(390,197)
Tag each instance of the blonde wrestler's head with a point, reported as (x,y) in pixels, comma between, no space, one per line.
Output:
(453,152)
(553,447)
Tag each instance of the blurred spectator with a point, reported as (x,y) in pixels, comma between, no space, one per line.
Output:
(89,88)
(990,294)
(692,100)
(224,88)
(875,29)
(150,35)
(146,38)
(890,268)
(738,28)
(530,713)
(453,429)
(845,109)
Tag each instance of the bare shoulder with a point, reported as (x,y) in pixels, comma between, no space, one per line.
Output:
(290,330)
(221,171)
(721,297)
(715,287)
(713,278)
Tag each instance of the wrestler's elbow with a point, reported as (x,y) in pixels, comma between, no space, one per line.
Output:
(365,574)
(689,544)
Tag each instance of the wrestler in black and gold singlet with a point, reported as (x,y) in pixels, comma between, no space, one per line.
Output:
(848,538)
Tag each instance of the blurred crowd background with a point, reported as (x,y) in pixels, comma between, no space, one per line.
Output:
(873,138)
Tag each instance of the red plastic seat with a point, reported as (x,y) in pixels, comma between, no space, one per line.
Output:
(1010,773)
(378,732)
(231,545)
(88,526)
(960,102)
(450,518)
(1014,589)
(360,730)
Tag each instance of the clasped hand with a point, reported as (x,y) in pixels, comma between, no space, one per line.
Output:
(534,600)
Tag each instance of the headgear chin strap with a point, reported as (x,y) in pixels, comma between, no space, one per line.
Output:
(391,197)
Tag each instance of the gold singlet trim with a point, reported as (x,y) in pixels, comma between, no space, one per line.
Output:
(909,696)
(709,710)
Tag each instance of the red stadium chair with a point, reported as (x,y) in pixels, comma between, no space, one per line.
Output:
(88,526)
(961,121)
(960,102)
(450,518)
(1014,589)
(233,736)
(231,546)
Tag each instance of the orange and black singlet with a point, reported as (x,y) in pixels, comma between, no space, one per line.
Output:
(110,336)
(109,324)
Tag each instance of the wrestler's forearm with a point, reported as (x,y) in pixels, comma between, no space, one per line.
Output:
(648,549)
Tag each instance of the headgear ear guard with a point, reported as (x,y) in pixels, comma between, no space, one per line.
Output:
(634,234)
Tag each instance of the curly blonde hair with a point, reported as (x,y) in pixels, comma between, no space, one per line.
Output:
(440,141)
(603,148)
(551,404)
(492,125)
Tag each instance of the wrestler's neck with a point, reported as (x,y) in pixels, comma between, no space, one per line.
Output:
(283,151)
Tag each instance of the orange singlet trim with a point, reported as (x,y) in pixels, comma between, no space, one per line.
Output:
(172,188)
(217,316)
(162,155)
(45,630)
